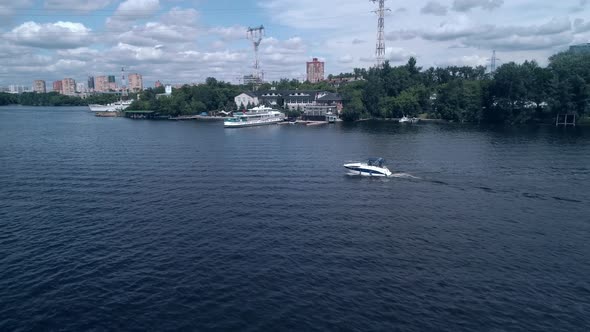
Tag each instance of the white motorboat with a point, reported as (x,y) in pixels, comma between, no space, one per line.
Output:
(373,167)
(257,116)
(405,119)
(113,107)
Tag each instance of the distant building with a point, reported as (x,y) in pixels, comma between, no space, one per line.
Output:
(91,83)
(247,98)
(251,79)
(167,92)
(112,86)
(135,83)
(58,87)
(339,81)
(80,87)
(315,71)
(101,84)
(17,89)
(68,86)
(580,49)
(158,84)
(39,86)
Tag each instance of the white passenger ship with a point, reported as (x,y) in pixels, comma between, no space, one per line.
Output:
(114,107)
(257,116)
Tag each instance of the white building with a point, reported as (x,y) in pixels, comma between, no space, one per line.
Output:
(243,99)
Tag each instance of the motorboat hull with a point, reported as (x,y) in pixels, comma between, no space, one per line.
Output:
(367,170)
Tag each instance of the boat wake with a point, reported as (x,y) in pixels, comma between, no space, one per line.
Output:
(404,176)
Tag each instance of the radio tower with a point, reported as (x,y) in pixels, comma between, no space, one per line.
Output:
(380,50)
(255,36)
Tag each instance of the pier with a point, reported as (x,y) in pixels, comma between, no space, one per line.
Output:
(567,119)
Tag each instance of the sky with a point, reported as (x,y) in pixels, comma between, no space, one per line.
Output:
(186,41)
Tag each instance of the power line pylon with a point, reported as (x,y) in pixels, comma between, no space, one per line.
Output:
(255,35)
(380,49)
(494,62)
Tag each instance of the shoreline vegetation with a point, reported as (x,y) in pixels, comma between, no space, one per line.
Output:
(54,99)
(515,94)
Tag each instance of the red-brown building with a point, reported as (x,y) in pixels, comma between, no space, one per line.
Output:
(58,87)
(315,71)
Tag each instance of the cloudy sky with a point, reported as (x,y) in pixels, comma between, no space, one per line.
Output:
(185,41)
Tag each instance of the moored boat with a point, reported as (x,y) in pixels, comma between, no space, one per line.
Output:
(113,107)
(258,116)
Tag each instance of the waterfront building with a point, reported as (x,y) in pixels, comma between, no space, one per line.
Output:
(135,83)
(332,100)
(298,99)
(580,49)
(290,99)
(247,98)
(91,83)
(39,86)
(319,112)
(315,71)
(58,87)
(68,86)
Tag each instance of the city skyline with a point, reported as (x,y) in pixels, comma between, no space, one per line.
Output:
(187,41)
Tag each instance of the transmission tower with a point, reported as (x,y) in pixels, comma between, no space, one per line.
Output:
(255,36)
(493,62)
(123,83)
(380,49)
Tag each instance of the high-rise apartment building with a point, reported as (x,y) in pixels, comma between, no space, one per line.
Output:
(58,87)
(135,82)
(91,83)
(315,71)
(101,84)
(39,86)
(68,86)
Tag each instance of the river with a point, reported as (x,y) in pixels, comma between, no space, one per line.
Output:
(119,224)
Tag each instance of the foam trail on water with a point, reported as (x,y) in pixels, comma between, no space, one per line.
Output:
(404,176)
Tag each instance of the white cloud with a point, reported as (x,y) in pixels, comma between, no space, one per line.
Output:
(467,5)
(58,35)
(76,5)
(346,59)
(235,32)
(434,8)
(9,7)
(465,60)
(130,11)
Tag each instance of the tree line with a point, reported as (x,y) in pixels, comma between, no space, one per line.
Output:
(54,99)
(515,93)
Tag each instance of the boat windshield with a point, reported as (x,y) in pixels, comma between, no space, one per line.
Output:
(376,162)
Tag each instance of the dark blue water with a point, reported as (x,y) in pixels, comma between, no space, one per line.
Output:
(115,224)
